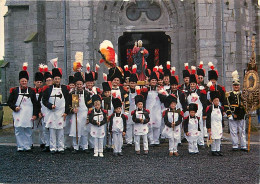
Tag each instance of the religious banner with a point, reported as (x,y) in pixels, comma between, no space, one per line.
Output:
(250,93)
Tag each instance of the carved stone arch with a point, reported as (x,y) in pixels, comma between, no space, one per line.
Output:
(113,20)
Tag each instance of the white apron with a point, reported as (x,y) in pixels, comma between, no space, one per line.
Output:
(196,99)
(44,110)
(81,118)
(132,107)
(118,95)
(54,117)
(23,118)
(193,129)
(171,133)
(178,106)
(97,131)
(154,105)
(139,128)
(216,123)
(118,125)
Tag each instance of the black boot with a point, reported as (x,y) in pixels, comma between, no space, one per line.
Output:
(46,149)
(219,153)
(214,153)
(42,146)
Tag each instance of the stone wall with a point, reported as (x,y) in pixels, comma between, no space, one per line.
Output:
(195,29)
(239,26)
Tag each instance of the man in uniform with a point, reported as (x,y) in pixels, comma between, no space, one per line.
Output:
(56,99)
(236,112)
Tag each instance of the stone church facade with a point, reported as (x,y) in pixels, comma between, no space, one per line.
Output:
(179,31)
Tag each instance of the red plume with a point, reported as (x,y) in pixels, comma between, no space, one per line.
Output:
(105,77)
(126,67)
(25,66)
(168,65)
(134,69)
(138,90)
(212,88)
(177,78)
(45,68)
(114,94)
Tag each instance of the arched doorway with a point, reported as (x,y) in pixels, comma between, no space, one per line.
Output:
(158,45)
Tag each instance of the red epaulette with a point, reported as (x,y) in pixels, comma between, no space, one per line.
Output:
(207,108)
(182,113)
(222,107)
(44,88)
(105,111)
(98,90)
(223,88)
(178,87)
(125,88)
(126,117)
(89,112)
(39,90)
(186,117)
(68,87)
(11,90)
(34,89)
(144,90)
(109,117)
(147,111)
(132,113)
(203,92)
(163,114)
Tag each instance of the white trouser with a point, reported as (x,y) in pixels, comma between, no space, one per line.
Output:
(98,146)
(205,132)
(179,135)
(91,140)
(38,128)
(46,135)
(81,142)
(239,125)
(67,141)
(129,133)
(41,136)
(137,142)
(193,147)
(23,138)
(56,139)
(173,145)
(201,136)
(84,142)
(153,135)
(215,146)
(161,128)
(117,142)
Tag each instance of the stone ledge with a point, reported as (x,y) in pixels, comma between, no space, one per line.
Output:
(17,3)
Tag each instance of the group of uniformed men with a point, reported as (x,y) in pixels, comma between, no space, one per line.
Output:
(48,106)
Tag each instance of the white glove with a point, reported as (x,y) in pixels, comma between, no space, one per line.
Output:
(230,118)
